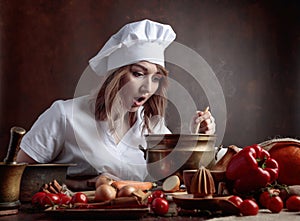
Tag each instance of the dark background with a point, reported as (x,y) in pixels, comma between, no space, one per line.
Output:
(252,46)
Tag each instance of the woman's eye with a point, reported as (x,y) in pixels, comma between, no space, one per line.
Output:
(156,79)
(137,74)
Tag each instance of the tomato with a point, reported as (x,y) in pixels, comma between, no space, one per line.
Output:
(156,194)
(36,198)
(64,199)
(275,204)
(293,203)
(150,199)
(79,198)
(249,208)
(42,199)
(287,155)
(45,202)
(51,199)
(284,195)
(267,195)
(264,198)
(160,206)
(236,200)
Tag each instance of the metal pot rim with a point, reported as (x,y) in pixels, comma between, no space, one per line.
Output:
(154,137)
(51,165)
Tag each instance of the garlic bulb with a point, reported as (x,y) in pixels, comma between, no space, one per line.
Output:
(202,184)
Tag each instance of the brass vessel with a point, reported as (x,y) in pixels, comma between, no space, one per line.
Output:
(168,154)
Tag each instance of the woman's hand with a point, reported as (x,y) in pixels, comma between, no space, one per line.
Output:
(203,122)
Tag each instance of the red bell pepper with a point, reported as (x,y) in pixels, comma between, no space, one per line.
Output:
(251,168)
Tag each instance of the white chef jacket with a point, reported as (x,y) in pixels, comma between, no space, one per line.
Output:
(68,133)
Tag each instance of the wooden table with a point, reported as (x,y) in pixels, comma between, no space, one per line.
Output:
(25,214)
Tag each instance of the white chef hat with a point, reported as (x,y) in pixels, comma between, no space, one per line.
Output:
(138,41)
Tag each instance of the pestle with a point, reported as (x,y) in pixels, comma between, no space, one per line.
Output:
(16,135)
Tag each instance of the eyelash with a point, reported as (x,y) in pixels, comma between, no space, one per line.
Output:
(139,74)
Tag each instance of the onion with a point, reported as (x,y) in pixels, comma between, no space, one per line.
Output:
(171,184)
(105,192)
(102,179)
(126,191)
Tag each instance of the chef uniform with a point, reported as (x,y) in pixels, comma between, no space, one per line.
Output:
(69,133)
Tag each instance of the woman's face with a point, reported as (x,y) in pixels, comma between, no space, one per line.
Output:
(140,83)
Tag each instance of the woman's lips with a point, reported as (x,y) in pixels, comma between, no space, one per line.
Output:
(138,101)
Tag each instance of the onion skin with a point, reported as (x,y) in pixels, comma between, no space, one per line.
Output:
(126,191)
(105,192)
(102,179)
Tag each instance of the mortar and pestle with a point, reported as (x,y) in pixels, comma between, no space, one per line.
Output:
(11,173)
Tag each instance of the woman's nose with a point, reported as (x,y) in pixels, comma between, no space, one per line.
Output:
(146,85)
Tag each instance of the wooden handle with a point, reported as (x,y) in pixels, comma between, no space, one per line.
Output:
(16,135)
(198,125)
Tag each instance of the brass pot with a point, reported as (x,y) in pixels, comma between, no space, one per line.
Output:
(168,154)
(10,184)
(35,175)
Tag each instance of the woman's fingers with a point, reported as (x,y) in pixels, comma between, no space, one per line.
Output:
(208,126)
(206,121)
(203,122)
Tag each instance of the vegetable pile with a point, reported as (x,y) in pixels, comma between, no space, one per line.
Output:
(251,183)
(108,194)
(43,200)
(252,177)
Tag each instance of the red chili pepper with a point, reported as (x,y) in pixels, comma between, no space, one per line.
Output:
(251,169)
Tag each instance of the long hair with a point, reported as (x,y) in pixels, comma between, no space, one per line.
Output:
(108,102)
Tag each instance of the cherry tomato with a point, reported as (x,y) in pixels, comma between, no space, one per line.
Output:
(236,200)
(264,198)
(79,198)
(150,199)
(284,195)
(160,206)
(275,204)
(156,194)
(36,199)
(293,203)
(42,199)
(48,199)
(249,208)
(64,199)
(51,199)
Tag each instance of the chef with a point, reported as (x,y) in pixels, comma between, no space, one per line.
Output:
(101,132)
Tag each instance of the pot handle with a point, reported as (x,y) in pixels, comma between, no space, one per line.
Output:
(144,150)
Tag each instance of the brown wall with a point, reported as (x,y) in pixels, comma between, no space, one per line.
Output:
(252,46)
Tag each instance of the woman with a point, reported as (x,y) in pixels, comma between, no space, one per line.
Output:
(101,133)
